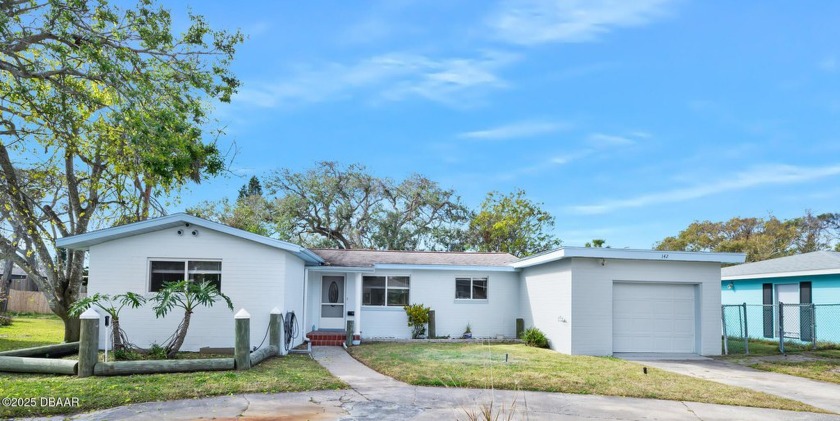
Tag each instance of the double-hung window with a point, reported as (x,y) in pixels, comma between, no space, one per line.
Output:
(385,290)
(470,288)
(164,271)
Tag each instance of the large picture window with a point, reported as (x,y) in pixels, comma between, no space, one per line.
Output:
(470,288)
(163,271)
(385,290)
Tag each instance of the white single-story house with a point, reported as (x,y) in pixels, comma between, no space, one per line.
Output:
(595,301)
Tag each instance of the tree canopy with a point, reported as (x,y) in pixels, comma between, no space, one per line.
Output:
(102,111)
(338,206)
(513,224)
(759,238)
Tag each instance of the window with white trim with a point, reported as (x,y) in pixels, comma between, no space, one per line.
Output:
(385,290)
(470,288)
(164,271)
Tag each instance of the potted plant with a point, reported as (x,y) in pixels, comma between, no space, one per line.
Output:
(468,332)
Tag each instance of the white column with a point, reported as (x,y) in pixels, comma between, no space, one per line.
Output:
(357,326)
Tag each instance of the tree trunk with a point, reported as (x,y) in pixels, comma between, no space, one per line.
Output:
(117,336)
(180,336)
(5,282)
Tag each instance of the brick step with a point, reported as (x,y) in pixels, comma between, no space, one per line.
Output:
(328,338)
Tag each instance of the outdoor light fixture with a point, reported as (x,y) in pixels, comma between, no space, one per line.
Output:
(731,285)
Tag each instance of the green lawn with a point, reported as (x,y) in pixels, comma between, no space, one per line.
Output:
(799,360)
(484,366)
(292,373)
(823,370)
(28,331)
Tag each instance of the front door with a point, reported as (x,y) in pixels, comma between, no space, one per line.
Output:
(332,302)
(788,294)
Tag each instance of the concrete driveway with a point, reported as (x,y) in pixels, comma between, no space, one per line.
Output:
(815,393)
(374,396)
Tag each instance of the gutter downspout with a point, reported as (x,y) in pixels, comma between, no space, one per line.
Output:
(305,288)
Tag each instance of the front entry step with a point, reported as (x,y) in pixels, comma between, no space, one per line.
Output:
(328,338)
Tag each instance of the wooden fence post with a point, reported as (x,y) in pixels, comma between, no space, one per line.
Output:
(242,341)
(432,330)
(274,328)
(88,342)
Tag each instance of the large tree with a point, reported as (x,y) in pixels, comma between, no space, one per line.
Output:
(512,223)
(102,110)
(346,207)
(759,238)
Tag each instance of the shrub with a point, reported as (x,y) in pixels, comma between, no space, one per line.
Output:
(534,337)
(157,352)
(5,320)
(126,355)
(418,316)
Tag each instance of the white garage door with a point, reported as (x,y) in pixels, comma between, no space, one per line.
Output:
(653,317)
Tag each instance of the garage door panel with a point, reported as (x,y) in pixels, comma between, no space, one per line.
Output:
(653,317)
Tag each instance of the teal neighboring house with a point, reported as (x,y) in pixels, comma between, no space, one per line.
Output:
(808,278)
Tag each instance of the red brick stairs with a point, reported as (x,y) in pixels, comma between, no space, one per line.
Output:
(328,337)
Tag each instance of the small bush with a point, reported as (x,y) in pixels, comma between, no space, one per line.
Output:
(157,352)
(126,355)
(5,320)
(418,316)
(534,337)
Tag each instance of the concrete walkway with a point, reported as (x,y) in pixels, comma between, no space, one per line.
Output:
(374,396)
(815,393)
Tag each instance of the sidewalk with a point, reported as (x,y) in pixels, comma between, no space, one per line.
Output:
(815,393)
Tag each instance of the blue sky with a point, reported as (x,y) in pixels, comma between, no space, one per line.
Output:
(627,120)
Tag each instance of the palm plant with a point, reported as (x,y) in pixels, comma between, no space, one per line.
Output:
(185,295)
(112,305)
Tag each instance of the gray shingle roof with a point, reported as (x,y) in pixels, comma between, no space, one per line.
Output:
(16,271)
(818,260)
(368,258)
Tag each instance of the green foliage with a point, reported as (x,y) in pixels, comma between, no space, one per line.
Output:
(187,296)
(346,207)
(156,352)
(597,243)
(418,316)
(468,329)
(512,224)
(104,110)
(112,305)
(129,355)
(759,238)
(534,337)
(6,320)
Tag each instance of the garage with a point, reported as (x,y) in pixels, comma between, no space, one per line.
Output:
(654,317)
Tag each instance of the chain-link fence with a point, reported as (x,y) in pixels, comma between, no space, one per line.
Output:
(795,326)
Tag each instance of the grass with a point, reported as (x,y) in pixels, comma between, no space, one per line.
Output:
(28,331)
(800,359)
(484,366)
(293,373)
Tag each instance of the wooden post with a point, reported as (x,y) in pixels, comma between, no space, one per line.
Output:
(520,327)
(349,340)
(274,328)
(242,341)
(432,333)
(88,342)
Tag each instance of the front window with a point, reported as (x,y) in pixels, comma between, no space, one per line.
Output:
(385,290)
(470,288)
(164,271)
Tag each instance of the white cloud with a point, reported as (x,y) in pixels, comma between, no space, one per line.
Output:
(389,77)
(605,140)
(516,130)
(828,64)
(757,176)
(530,22)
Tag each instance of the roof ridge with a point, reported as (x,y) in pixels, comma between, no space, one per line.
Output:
(414,251)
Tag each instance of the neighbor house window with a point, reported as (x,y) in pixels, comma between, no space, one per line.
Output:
(163,271)
(385,290)
(470,288)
